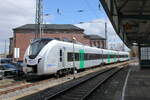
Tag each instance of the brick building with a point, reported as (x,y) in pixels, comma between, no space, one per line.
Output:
(24,34)
(96,41)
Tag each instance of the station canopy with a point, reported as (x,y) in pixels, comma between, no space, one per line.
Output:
(132,17)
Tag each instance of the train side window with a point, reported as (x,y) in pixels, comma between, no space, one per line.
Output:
(85,56)
(70,56)
(60,55)
(103,56)
(60,52)
(76,56)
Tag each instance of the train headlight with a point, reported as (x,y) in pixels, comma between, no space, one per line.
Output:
(39,60)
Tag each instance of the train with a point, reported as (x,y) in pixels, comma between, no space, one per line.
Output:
(50,56)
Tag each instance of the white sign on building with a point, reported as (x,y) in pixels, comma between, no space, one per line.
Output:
(16,52)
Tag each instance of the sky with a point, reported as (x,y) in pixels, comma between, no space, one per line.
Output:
(15,13)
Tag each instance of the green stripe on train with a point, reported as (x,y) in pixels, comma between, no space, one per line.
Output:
(81,58)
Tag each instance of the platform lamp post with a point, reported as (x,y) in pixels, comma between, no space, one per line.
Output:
(5,54)
(74,70)
(123,48)
(106,35)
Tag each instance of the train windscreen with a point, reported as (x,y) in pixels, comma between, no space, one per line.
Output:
(36,47)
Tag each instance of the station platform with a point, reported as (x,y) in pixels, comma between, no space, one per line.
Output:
(138,84)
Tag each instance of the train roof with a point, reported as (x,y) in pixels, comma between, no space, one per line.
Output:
(42,39)
(107,50)
(49,39)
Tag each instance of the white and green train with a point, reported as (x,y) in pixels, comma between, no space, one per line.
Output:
(50,56)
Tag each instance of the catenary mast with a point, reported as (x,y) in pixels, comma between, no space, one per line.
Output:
(39,18)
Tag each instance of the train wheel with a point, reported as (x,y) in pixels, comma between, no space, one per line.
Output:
(74,71)
(2,77)
(102,64)
(56,75)
(68,71)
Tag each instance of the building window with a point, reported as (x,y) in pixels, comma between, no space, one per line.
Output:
(90,43)
(99,44)
(94,43)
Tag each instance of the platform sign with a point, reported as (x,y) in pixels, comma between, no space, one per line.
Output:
(145,56)
(16,52)
(145,53)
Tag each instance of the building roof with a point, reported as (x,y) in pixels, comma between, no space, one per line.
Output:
(50,27)
(94,37)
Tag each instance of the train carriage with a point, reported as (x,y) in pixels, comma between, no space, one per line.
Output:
(49,56)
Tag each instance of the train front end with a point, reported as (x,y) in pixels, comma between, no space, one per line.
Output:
(34,56)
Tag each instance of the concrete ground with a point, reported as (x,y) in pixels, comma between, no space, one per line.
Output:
(138,84)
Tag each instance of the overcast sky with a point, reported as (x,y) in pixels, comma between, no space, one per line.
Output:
(14,13)
(98,27)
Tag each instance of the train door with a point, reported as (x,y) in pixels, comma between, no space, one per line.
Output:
(102,57)
(62,58)
(108,57)
(81,59)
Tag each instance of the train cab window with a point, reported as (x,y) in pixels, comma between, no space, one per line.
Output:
(37,45)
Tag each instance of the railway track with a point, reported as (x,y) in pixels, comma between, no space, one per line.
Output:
(19,85)
(22,85)
(11,84)
(84,88)
(22,82)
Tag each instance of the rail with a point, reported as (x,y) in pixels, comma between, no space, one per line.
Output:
(85,87)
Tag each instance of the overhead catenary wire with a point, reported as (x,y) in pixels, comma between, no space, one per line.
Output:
(91,8)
